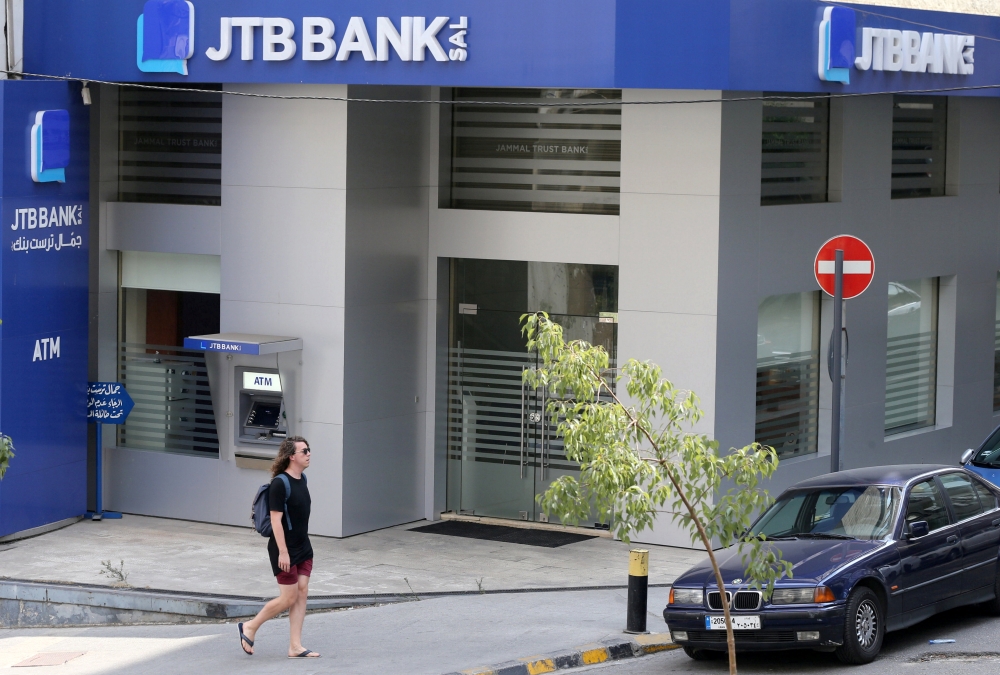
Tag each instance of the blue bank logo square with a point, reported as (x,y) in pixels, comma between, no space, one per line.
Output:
(50,146)
(165,36)
(837,32)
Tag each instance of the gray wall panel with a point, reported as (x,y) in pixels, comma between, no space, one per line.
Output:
(387,305)
(769,250)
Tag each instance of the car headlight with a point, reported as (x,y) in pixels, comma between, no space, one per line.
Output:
(687,596)
(793,596)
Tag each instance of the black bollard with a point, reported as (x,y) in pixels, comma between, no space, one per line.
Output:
(638,586)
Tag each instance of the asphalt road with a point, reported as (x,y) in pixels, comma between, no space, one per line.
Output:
(976,650)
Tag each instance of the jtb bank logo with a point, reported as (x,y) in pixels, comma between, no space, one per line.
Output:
(836,44)
(887,49)
(165,36)
(50,146)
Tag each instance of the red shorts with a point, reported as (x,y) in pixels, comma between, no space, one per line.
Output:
(291,577)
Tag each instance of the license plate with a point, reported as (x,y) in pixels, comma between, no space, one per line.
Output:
(718,622)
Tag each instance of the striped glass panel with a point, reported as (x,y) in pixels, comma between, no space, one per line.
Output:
(170,147)
(795,146)
(485,404)
(520,158)
(173,403)
(996,369)
(489,412)
(911,356)
(919,142)
(788,403)
(787,392)
(996,353)
(910,380)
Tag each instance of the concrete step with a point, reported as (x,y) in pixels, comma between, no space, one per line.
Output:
(25,604)
(32,603)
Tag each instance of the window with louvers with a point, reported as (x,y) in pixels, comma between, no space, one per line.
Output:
(170,147)
(525,158)
(795,151)
(911,355)
(919,143)
(788,374)
(996,353)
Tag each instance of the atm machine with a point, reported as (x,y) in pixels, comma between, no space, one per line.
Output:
(262,416)
(255,382)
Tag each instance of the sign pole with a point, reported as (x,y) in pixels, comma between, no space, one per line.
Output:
(100,470)
(106,402)
(838,330)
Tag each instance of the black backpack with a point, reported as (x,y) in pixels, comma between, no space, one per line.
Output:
(260,513)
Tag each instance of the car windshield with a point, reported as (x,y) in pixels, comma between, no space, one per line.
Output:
(989,455)
(833,512)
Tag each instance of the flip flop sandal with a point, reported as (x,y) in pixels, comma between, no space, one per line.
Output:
(305,655)
(244,638)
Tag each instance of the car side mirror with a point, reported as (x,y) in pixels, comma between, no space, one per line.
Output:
(966,456)
(918,528)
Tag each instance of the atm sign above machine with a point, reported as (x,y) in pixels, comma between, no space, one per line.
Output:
(262,381)
(242,343)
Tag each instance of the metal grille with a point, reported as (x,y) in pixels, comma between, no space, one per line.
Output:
(715,599)
(910,382)
(173,403)
(745,600)
(742,636)
(170,147)
(919,135)
(518,158)
(788,403)
(795,145)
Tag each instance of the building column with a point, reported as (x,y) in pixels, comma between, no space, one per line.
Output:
(669,248)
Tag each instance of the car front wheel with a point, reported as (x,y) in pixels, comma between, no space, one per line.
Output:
(864,627)
(704,654)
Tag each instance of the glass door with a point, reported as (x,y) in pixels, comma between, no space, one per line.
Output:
(551,456)
(503,445)
(491,436)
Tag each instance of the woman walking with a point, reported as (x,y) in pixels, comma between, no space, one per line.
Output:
(289,547)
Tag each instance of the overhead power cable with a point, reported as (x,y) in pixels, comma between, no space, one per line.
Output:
(553,103)
(868,12)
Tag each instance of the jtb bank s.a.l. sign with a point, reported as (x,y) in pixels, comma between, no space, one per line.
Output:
(843,46)
(165,38)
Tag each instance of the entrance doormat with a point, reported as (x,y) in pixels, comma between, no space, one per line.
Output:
(511,535)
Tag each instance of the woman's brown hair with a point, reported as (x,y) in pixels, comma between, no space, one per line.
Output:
(285,452)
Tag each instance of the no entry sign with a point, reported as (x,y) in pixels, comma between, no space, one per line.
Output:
(859,265)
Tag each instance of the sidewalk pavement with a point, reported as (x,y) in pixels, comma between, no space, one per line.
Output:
(217,559)
(430,637)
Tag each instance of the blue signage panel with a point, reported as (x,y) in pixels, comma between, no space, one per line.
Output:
(227,346)
(743,45)
(43,302)
(108,403)
(446,42)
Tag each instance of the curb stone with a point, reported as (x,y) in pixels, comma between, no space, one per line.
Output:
(614,649)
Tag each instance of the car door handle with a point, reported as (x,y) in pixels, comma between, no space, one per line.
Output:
(996,522)
(953,539)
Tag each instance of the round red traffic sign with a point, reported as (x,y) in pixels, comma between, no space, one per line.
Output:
(859,265)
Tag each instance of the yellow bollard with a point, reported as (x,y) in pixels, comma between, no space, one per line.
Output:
(638,587)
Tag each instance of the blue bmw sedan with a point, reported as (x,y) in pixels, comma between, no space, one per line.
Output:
(874,550)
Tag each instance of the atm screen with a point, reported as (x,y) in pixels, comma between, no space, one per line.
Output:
(264,415)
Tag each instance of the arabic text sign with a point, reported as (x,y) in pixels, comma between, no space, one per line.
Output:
(108,403)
